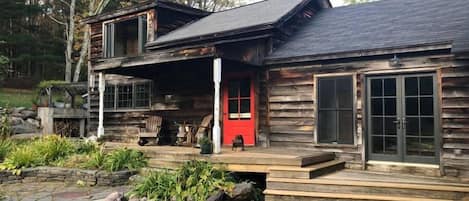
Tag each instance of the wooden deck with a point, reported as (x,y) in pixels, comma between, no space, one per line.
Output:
(253,159)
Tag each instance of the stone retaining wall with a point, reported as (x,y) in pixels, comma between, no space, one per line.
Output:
(56,174)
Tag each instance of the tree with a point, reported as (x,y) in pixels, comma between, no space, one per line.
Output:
(348,2)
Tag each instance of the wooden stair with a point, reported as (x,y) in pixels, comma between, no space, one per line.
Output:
(347,188)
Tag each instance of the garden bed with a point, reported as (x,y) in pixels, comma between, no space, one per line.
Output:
(68,175)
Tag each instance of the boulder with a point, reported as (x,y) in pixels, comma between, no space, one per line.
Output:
(219,196)
(25,127)
(116,196)
(34,122)
(16,121)
(28,114)
(244,191)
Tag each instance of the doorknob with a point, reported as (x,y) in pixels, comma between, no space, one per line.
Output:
(398,123)
(404,123)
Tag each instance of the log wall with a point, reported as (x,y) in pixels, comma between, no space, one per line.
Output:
(292,105)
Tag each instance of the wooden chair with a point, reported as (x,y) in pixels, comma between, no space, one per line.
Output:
(151,131)
(204,128)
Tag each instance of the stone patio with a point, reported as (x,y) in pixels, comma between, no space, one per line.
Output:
(50,191)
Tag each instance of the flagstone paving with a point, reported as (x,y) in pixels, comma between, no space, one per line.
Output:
(56,192)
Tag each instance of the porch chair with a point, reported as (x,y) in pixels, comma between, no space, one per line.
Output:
(151,131)
(203,128)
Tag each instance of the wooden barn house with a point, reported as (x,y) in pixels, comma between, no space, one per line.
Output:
(384,86)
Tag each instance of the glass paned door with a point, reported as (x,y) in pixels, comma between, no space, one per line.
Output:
(401,118)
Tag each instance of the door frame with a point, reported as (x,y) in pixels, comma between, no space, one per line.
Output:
(253,106)
(400,110)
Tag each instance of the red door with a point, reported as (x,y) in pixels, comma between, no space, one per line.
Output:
(238,108)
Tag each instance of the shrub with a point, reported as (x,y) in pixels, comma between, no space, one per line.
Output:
(156,186)
(5,125)
(122,159)
(82,147)
(195,180)
(96,160)
(6,146)
(53,147)
(73,161)
(22,157)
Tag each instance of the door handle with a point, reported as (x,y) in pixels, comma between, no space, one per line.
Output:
(398,123)
(404,123)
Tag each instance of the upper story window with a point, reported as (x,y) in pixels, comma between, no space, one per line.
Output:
(125,38)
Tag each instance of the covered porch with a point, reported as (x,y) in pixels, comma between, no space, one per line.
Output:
(186,90)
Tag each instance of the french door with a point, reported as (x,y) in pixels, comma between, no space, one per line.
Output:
(402,118)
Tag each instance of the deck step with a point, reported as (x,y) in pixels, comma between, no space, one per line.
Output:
(165,164)
(371,188)
(261,159)
(307,172)
(285,195)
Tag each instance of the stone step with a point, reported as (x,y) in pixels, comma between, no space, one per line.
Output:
(370,188)
(307,172)
(284,195)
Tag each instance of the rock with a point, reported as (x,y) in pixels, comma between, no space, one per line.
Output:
(16,121)
(219,196)
(25,127)
(18,109)
(28,114)
(243,192)
(116,196)
(34,122)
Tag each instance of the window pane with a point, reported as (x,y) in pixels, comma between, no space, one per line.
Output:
(109,97)
(377,106)
(326,93)
(142,95)
(390,145)
(245,88)
(390,87)
(412,127)
(377,126)
(390,126)
(426,106)
(327,126)
(413,146)
(411,106)
(377,144)
(344,92)
(426,86)
(427,147)
(143,32)
(428,126)
(233,106)
(390,106)
(233,87)
(376,87)
(345,127)
(124,96)
(411,86)
(245,106)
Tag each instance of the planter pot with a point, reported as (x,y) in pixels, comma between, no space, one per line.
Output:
(206,149)
(59,105)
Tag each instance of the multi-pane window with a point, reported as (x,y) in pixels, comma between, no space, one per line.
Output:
(127,96)
(125,38)
(335,110)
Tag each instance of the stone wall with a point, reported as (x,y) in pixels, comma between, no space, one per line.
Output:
(55,174)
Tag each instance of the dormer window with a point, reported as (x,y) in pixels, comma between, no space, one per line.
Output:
(125,38)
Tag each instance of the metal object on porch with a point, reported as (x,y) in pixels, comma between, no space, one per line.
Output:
(204,129)
(186,134)
(151,131)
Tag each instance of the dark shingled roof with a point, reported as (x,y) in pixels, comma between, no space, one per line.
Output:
(380,25)
(261,13)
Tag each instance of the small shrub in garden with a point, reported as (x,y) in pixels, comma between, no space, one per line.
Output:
(53,147)
(95,160)
(156,186)
(124,159)
(82,147)
(22,157)
(6,146)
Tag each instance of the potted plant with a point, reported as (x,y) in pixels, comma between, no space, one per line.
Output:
(206,146)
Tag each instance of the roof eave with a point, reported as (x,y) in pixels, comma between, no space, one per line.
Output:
(360,53)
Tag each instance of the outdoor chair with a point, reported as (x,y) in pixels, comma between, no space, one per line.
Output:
(151,131)
(204,128)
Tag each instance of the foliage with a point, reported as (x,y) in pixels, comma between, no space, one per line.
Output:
(96,160)
(121,159)
(6,145)
(5,124)
(52,148)
(3,70)
(204,140)
(195,180)
(156,186)
(86,147)
(22,157)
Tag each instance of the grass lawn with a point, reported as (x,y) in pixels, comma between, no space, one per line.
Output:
(15,97)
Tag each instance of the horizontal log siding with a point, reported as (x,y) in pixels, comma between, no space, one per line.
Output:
(455,119)
(292,106)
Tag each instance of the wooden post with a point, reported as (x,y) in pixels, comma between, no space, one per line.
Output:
(216,106)
(101,89)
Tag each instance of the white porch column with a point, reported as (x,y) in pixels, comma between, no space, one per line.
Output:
(216,106)
(101,89)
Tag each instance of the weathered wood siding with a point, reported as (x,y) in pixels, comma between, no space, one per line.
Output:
(292,105)
(96,43)
(455,118)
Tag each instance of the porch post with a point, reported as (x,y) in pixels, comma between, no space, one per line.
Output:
(216,106)
(101,89)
